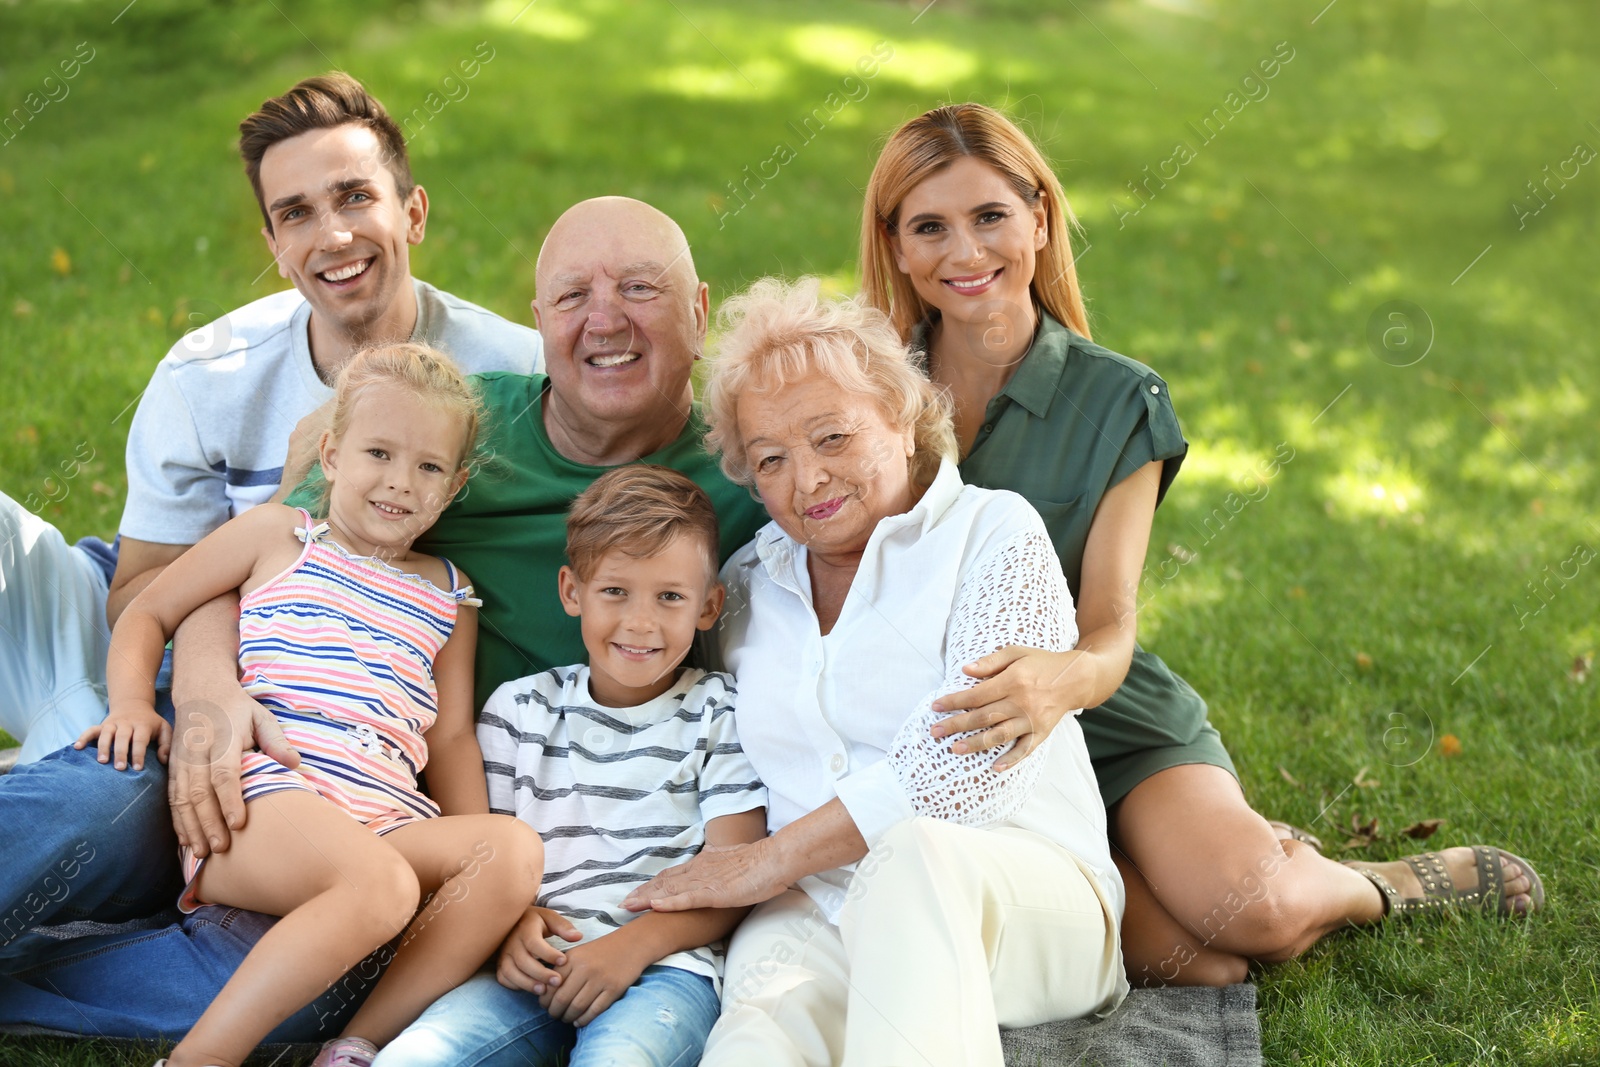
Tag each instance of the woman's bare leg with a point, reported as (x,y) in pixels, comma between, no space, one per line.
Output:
(1218,871)
(1157,950)
(483,872)
(342,892)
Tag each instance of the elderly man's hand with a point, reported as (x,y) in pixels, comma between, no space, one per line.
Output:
(732,877)
(1024,694)
(209,738)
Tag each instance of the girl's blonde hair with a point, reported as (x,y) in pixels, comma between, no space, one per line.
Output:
(928,144)
(429,374)
(777,332)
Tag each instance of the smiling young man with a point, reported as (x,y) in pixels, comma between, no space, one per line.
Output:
(234,411)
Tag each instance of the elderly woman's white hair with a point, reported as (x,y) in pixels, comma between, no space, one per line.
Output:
(778,332)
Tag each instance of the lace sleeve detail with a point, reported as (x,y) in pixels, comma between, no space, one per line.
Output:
(1015,595)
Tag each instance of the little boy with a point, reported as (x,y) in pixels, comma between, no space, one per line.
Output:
(626,766)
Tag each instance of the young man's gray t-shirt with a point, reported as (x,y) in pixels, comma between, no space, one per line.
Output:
(212,429)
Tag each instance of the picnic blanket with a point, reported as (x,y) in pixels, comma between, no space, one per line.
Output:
(1178,1027)
(1191,1027)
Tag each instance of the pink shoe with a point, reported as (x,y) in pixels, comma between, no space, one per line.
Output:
(346,1052)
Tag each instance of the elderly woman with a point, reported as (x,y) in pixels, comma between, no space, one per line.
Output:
(937,897)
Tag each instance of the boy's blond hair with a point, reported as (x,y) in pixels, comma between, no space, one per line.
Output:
(638,510)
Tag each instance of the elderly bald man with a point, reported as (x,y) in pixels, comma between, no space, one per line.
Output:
(623,317)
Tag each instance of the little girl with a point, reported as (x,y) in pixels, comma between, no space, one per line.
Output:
(362,650)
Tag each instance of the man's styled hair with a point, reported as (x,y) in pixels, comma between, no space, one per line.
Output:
(639,510)
(321,103)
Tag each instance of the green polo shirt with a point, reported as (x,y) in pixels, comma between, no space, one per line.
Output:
(1074,420)
(507,528)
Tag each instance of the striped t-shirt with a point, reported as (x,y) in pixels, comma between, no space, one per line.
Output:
(617,794)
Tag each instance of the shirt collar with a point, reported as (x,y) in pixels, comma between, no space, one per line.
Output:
(1038,376)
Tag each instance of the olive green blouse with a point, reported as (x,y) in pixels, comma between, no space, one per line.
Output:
(1074,420)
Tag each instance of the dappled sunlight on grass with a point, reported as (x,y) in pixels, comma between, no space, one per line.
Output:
(754,80)
(932,67)
(836,49)
(1222,463)
(1373,487)
(538,20)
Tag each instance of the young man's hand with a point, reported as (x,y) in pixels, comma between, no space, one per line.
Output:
(126,733)
(526,958)
(594,977)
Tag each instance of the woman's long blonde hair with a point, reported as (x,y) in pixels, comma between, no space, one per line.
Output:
(923,147)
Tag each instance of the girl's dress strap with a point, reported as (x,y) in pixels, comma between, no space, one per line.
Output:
(462,593)
(311,531)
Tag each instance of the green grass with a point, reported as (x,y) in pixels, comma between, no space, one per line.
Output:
(1329,623)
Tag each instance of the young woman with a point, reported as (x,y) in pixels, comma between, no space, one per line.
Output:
(966,243)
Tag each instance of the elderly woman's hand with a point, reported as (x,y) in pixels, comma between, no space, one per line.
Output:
(1024,694)
(727,877)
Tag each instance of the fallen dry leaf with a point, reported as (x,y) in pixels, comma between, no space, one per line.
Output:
(1423,830)
(1363,661)
(1449,745)
(1580,668)
(1289,777)
(1361,781)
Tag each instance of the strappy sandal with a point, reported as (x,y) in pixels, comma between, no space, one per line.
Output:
(1438,888)
(1294,833)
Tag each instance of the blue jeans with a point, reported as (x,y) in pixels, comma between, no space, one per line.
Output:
(83,841)
(155,983)
(662,1021)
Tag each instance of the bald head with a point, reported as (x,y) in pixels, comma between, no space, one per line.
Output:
(623,318)
(620,230)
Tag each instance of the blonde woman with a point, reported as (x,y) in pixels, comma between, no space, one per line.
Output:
(966,245)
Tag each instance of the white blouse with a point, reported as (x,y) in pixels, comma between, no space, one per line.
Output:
(965,572)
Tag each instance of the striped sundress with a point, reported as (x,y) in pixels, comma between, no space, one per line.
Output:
(341,649)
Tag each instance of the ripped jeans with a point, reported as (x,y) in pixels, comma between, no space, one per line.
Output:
(662,1021)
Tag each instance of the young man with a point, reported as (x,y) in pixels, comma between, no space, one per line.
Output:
(231,413)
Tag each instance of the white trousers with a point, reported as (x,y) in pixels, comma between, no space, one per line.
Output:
(53,634)
(947,934)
